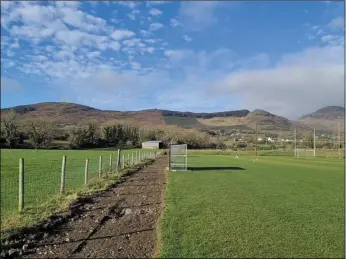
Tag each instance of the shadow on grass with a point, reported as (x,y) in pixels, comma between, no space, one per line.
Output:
(215,168)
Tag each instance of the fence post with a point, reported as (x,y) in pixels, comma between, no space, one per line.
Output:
(132,159)
(86,171)
(21,185)
(100,166)
(139,156)
(118,160)
(123,162)
(110,161)
(63,175)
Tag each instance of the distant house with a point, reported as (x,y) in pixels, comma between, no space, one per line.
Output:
(259,139)
(270,139)
(153,144)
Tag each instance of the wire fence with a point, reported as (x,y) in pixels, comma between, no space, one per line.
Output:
(38,176)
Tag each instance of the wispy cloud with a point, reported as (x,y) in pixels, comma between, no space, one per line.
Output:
(155,26)
(155,12)
(187,38)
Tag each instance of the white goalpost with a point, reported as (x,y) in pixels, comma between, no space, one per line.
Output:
(301,148)
(178,157)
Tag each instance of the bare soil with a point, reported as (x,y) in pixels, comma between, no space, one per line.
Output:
(117,223)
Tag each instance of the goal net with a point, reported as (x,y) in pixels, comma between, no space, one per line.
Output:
(304,144)
(305,152)
(178,157)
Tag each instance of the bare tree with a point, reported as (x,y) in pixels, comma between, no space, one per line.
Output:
(9,129)
(40,133)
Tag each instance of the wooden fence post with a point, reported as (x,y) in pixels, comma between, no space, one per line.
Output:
(110,161)
(139,156)
(63,175)
(86,171)
(118,160)
(21,184)
(132,159)
(123,162)
(100,167)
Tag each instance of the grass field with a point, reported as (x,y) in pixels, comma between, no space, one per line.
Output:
(43,172)
(276,207)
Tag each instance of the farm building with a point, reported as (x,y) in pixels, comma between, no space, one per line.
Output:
(152,145)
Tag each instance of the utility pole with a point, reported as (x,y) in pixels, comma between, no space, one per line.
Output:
(339,139)
(256,138)
(314,142)
(295,141)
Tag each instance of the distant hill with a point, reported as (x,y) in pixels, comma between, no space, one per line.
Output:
(66,114)
(325,119)
(328,112)
(267,121)
(70,114)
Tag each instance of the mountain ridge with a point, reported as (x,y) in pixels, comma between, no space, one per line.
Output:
(66,113)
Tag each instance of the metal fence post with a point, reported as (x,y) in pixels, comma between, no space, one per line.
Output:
(21,185)
(100,166)
(86,171)
(63,175)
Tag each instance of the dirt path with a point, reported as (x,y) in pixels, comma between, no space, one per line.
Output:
(120,222)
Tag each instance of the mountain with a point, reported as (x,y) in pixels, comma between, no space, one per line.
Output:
(66,114)
(328,112)
(325,119)
(267,121)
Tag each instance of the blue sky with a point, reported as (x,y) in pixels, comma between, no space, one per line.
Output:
(284,57)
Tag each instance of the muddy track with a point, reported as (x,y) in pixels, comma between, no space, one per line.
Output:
(118,223)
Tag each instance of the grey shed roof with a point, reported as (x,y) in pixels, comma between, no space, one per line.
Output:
(152,142)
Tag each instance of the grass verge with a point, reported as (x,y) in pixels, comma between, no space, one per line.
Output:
(59,204)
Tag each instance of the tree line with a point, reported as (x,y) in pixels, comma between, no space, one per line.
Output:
(41,134)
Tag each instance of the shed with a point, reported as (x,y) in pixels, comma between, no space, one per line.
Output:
(157,144)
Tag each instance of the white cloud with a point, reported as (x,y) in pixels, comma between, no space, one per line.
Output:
(199,14)
(132,15)
(135,65)
(337,23)
(155,12)
(187,38)
(155,26)
(175,22)
(145,33)
(332,39)
(122,34)
(81,20)
(300,83)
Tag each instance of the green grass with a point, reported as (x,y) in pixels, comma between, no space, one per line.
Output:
(42,176)
(277,207)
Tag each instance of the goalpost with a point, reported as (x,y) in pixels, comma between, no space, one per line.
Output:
(178,157)
(303,147)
